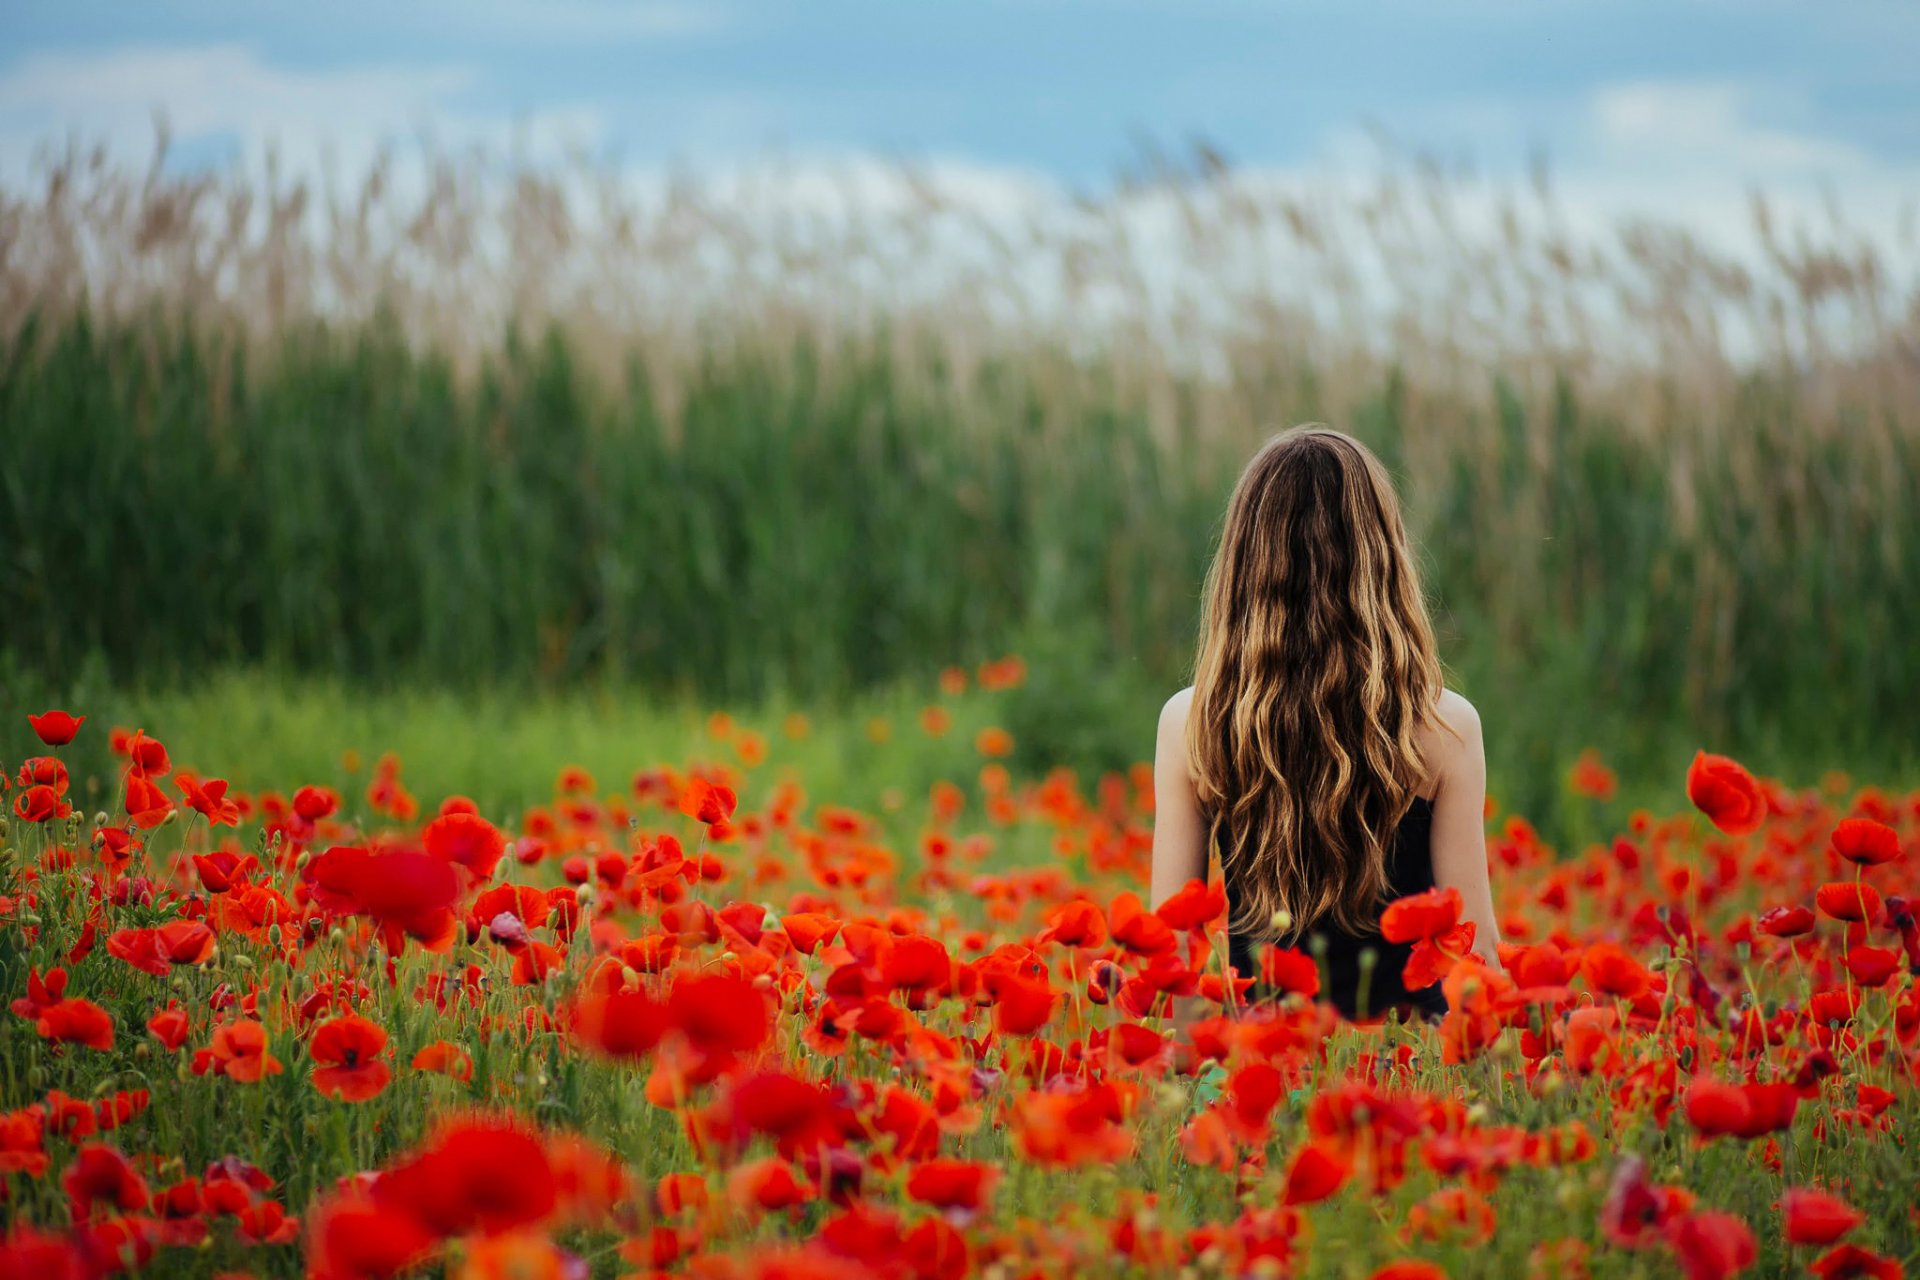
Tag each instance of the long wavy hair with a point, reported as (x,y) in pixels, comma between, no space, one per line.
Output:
(1316,674)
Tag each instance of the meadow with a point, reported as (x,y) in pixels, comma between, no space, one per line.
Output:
(704,1019)
(554,798)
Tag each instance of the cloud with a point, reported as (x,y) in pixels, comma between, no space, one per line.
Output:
(1692,123)
(227,98)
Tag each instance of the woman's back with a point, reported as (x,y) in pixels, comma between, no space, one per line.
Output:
(1319,756)
(1360,971)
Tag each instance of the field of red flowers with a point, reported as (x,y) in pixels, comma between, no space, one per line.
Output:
(698,1022)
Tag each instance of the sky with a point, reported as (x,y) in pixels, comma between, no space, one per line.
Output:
(1743,91)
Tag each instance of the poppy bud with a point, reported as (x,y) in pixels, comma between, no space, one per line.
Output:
(142,1051)
(100,818)
(274,935)
(1282,921)
(36,1077)
(242,962)
(336,935)
(4,828)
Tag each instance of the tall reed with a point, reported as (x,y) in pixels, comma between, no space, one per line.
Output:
(474,421)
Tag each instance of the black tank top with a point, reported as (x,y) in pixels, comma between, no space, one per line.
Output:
(1343,975)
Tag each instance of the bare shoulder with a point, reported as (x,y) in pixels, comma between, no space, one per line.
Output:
(1452,743)
(1174,713)
(1459,716)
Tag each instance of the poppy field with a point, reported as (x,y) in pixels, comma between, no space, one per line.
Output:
(699,1021)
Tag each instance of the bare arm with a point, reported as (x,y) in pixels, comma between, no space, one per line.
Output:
(1459,821)
(1179,841)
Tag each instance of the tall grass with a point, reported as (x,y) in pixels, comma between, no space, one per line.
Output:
(491,423)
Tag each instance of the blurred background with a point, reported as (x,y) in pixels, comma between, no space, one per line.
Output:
(514,383)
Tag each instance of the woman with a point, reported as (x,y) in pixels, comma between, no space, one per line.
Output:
(1317,753)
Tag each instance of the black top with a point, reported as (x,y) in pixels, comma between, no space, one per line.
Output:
(1409,871)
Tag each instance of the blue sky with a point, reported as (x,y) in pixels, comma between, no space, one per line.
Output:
(1752,91)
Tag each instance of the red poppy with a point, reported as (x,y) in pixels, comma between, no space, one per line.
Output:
(467,840)
(76,1021)
(1613,971)
(148,756)
(719,1017)
(40,804)
(1078,924)
(1851,1262)
(1711,1245)
(446,1058)
(209,800)
(408,892)
(42,771)
(622,1024)
(1421,915)
(1410,1269)
(1872,966)
(1316,1171)
(1196,905)
(1023,1005)
(99,1175)
(348,1049)
(766,1184)
(705,802)
(1715,1109)
(953,1184)
(1726,793)
(239,1052)
(1813,1216)
(1786,922)
(1138,930)
(156,951)
(1848,900)
(1287,970)
(169,1027)
(1865,842)
(485,1174)
(56,728)
(147,805)
(1072,1127)
(351,1237)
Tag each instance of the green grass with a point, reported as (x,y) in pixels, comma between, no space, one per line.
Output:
(504,746)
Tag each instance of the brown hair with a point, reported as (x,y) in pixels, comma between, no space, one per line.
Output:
(1316,674)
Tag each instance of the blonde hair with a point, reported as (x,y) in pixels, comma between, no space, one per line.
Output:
(1316,674)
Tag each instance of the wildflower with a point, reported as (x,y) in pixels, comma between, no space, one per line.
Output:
(40,804)
(76,1021)
(1812,1216)
(347,1050)
(1726,793)
(239,1052)
(1865,842)
(56,728)
(953,1184)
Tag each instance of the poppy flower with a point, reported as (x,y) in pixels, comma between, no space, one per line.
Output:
(468,841)
(147,805)
(1133,927)
(1848,900)
(209,800)
(40,804)
(1023,1006)
(1196,905)
(621,1024)
(1786,922)
(1872,966)
(1865,842)
(347,1050)
(952,1184)
(239,1052)
(446,1058)
(407,892)
(148,756)
(1078,924)
(1715,1109)
(351,1236)
(719,1017)
(314,803)
(707,803)
(156,951)
(169,1027)
(1421,915)
(1285,970)
(1410,1269)
(1813,1216)
(1726,793)
(100,1175)
(56,728)
(1711,1245)
(1851,1262)
(766,1184)
(1072,1127)
(485,1174)
(1613,971)
(1317,1170)
(76,1021)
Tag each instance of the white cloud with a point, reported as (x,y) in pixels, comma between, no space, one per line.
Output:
(228,97)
